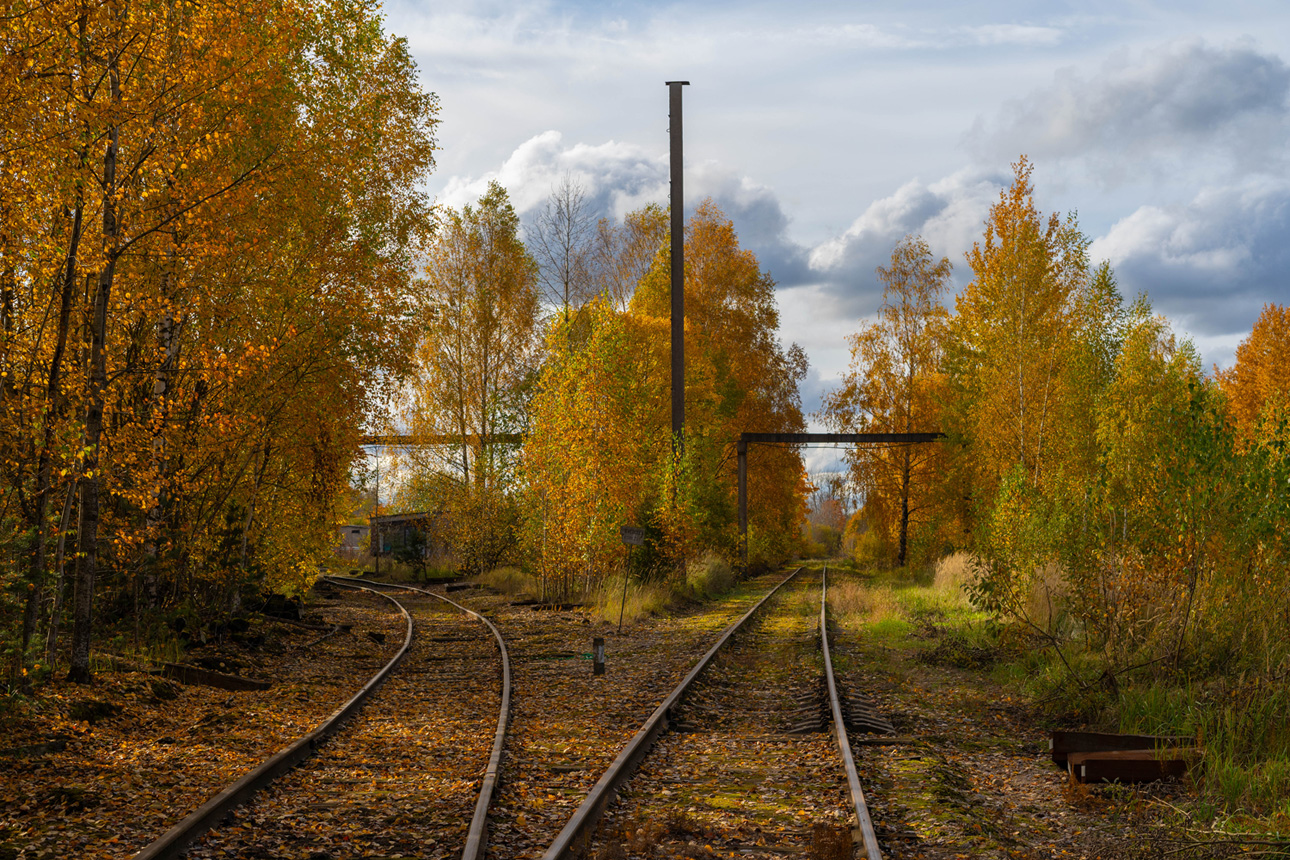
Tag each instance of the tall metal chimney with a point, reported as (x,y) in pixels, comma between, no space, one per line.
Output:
(677,207)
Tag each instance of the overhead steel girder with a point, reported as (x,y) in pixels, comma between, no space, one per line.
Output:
(746,439)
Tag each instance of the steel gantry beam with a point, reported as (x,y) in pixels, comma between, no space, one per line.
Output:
(746,439)
(405,441)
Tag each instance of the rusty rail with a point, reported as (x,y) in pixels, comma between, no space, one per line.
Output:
(863,823)
(477,836)
(210,813)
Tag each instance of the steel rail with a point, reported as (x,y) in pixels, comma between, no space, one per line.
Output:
(577,832)
(477,836)
(203,818)
(863,822)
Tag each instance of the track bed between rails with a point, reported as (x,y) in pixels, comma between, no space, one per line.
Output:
(567,725)
(733,779)
(402,778)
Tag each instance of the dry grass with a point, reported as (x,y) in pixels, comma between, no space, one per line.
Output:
(1047,598)
(710,576)
(864,604)
(509,580)
(643,600)
(954,572)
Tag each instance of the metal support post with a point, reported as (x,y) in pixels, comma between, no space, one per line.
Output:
(741,449)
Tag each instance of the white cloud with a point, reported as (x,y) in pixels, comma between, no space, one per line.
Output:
(1013,34)
(948,214)
(1180,105)
(1211,263)
(618,178)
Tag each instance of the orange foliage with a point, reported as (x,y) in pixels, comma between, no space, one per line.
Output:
(205,251)
(894,385)
(1261,375)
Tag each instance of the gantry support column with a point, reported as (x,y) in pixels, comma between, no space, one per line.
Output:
(741,449)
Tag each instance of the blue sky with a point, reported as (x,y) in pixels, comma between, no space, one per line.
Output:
(828,130)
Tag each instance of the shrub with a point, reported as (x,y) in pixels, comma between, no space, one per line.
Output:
(710,576)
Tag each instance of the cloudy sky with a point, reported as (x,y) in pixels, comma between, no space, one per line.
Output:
(827,130)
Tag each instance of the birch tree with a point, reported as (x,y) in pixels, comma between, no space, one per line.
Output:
(893,385)
(475,363)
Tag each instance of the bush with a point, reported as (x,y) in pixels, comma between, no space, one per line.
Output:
(710,576)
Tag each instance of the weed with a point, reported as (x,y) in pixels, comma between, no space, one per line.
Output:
(953,573)
(509,580)
(711,576)
(856,603)
(956,650)
(643,599)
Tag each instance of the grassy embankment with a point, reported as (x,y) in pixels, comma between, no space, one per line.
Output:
(1241,723)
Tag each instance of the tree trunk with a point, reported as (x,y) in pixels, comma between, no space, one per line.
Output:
(235,601)
(60,585)
(53,405)
(168,345)
(92,479)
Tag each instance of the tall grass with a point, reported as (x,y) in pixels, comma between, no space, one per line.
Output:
(1242,728)
(706,578)
(643,599)
(906,597)
(510,580)
(858,603)
(954,573)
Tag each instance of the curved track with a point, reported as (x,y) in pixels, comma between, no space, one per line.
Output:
(402,776)
(477,836)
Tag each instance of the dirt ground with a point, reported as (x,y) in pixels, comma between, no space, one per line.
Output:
(99,771)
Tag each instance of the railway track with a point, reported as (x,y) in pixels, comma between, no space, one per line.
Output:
(735,759)
(411,774)
(749,756)
(741,762)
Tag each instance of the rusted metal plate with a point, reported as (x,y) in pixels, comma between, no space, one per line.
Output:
(1064,743)
(1129,765)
